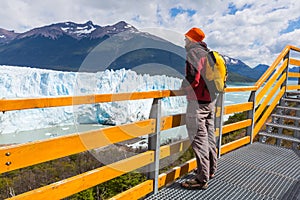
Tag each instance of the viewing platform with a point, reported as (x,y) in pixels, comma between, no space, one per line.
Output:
(256,171)
(258,154)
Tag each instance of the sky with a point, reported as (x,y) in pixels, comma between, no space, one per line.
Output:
(252,31)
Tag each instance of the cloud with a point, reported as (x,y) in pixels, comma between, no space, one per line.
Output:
(253,31)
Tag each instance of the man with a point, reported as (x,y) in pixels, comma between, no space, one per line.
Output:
(200,111)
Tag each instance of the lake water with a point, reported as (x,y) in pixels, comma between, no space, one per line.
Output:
(40,134)
(180,132)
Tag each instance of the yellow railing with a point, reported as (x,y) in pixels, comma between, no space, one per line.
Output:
(264,96)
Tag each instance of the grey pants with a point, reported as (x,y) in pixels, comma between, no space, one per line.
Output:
(201,131)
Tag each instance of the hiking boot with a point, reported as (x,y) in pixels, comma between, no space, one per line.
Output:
(194,184)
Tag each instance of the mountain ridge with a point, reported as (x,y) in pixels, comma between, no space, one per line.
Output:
(75,30)
(64,46)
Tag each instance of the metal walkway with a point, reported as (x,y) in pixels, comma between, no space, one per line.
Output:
(256,171)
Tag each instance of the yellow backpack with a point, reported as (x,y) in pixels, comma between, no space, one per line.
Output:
(216,71)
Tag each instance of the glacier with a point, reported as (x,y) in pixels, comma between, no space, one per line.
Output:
(27,82)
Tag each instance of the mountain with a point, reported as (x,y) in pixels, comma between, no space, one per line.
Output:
(61,46)
(238,71)
(74,30)
(261,68)
(6,36)
(65,46)
(294,69)
(88,47)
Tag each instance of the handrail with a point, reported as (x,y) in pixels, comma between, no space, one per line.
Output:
(240,89)
(19,155)
(269,71)
(268,98)
(91,178)
(46,102)
(248,106)
(271,82)
(294,48)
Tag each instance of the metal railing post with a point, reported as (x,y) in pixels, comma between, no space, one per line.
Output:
(299,77)
(219,122)
(250,115)
(284,84)
(154,144)
(297,123)
(286,71)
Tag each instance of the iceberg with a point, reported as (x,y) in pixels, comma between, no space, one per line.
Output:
(26,82)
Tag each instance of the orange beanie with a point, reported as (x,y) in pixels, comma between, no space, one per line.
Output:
(195,34)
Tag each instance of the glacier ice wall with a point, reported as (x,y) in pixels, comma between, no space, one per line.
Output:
(25,82)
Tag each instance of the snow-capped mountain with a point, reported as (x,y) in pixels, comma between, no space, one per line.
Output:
(231,61)
(76,31)
(238,71)
(79,30)
(65,46)
(112,30)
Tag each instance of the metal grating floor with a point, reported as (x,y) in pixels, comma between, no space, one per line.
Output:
(256,171)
